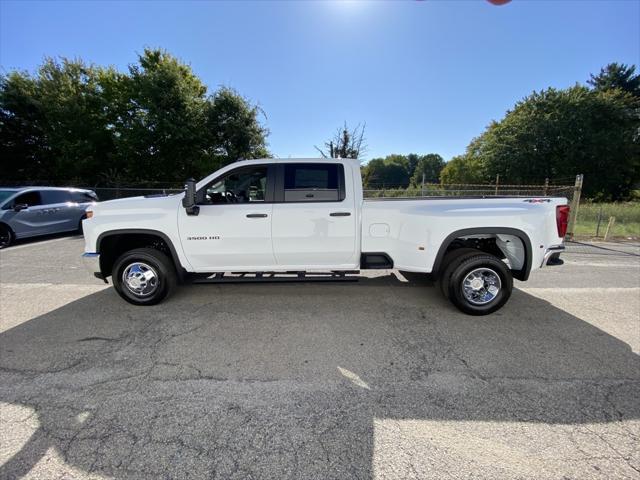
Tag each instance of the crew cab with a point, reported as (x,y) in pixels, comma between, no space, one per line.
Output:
(272,216)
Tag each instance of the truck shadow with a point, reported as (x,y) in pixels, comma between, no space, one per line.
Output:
(289,380)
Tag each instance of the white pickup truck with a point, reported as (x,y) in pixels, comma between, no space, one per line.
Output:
(267,217)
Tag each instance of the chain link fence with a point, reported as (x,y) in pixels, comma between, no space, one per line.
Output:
(112,193)
(475,190)
(608,221)
(627,250)
(106,192)
(593,221)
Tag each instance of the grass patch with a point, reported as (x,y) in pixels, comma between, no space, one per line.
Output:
(627,219)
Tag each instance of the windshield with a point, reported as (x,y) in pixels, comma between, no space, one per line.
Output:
(4,194)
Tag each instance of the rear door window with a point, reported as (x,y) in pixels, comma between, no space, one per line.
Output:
(313,182)
(83,197)
(50,197)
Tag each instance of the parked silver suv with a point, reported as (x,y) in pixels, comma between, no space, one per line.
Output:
(32,211)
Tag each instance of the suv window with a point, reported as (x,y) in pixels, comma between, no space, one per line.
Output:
(244,185)
(83,197)
(313,182)
(50,197)
(31,199)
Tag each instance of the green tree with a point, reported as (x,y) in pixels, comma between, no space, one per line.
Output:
(389,172)
(52,122)
(400,161)
(617,75)
(399,171)
(22,152)
(558,133)
(428,166)
(463,169)
(156,122)
(236,131)
(412,162)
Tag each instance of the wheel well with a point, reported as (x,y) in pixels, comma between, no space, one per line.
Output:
(509,244)
(113,245)
(485,244)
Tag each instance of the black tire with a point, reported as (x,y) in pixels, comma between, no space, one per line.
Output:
(467,263)
(6,236)
(555,259)
(149,259)
(451,261)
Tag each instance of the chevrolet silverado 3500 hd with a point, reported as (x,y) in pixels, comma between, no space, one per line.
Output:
(303,215)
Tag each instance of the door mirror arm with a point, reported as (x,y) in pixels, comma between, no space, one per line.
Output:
(189,200)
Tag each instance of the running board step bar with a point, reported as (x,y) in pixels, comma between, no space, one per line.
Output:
(266,277)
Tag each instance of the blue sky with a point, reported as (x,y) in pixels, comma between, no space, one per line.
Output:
(425,76)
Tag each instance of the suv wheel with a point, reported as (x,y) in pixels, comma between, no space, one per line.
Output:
(143,276)
(479,283)
(6,236)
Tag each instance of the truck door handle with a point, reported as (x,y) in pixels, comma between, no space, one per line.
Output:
(256,215)
(340,214)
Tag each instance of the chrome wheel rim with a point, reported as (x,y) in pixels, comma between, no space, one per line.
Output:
(481,286)
(140,279)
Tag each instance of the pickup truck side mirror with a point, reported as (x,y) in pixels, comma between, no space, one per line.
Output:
(189,200)
(20,206)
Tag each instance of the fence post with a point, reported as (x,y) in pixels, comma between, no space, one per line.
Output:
(575,204)
(599,221)
(546,186)
(609,229)
(497,182)
(422,184)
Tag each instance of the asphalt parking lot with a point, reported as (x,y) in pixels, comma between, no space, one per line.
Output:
(380,378)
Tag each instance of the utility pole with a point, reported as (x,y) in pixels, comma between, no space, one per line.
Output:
(423,184)
(497,182)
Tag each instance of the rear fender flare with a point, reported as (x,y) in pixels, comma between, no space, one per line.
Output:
(522,274)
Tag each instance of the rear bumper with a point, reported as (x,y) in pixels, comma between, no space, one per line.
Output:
(91,262)
(550,252)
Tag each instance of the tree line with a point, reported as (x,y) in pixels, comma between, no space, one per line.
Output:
(79,123)
(592,129)
(157,122)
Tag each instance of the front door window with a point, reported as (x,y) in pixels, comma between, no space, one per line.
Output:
(245,185)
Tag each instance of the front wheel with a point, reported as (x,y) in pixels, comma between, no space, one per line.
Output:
(6,236)
(143,276)
(479,283)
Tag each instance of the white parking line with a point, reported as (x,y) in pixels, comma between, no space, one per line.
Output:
(38,244)
(632,263)
(579,289)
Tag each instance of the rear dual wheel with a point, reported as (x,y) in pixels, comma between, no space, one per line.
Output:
(476,282)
